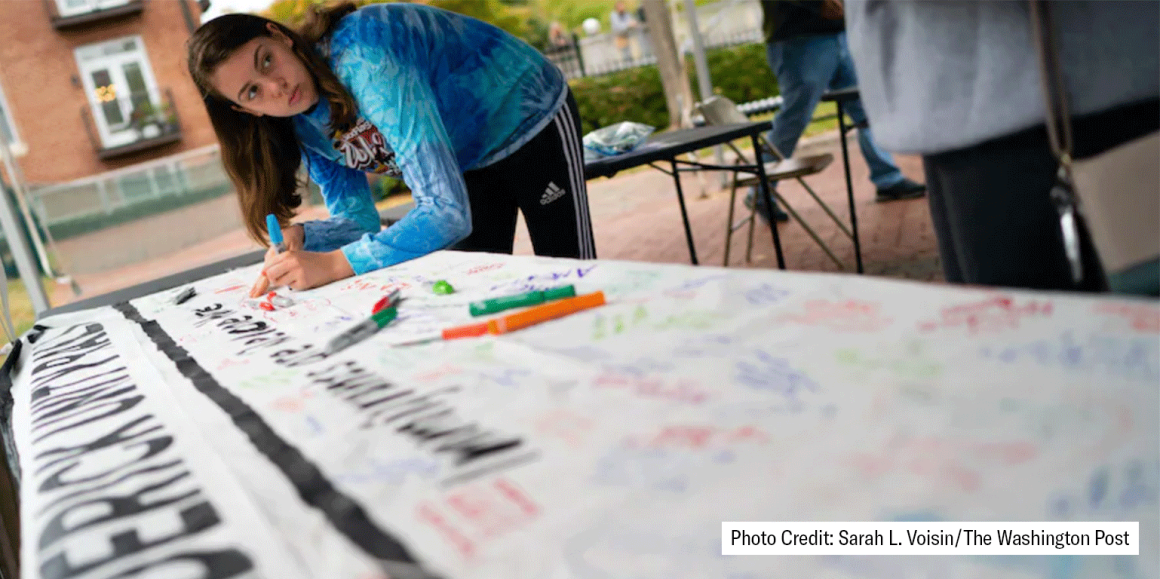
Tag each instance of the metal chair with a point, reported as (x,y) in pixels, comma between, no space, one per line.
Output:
(719,110)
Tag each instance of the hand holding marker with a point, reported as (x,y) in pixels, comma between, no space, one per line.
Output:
(275,232)
(278,244)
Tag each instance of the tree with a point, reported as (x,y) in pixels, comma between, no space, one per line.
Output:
(292,13)
(670,62)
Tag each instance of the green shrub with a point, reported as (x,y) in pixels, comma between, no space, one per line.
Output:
(738,72)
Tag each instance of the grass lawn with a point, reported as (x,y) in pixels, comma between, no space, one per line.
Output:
(20,307)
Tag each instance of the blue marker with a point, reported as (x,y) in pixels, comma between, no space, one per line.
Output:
(275,233)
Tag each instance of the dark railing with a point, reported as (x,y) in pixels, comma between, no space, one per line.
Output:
(149,124)
(92,11)
(566,55)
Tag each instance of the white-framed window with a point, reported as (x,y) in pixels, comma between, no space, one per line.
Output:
(119,85)
(77,7)
(8,127)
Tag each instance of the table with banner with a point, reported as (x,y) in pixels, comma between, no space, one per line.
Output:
(211,439)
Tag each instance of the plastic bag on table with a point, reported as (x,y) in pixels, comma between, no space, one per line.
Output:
(615,139)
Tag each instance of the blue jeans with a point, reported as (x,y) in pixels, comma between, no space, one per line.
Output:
(805,69)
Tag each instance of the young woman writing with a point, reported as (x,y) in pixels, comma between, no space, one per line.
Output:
(476,122)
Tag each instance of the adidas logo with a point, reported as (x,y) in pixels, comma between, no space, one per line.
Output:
(552,193)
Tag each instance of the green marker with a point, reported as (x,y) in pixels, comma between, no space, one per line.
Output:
(520,300)
(442,287)
(362,331)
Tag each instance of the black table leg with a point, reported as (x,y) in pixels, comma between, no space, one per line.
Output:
(768,200)
(849,188)
(684,213)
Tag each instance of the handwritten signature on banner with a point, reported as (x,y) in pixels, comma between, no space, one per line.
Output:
(842,316)
(1112,492)
(616,323)
(543,281)
(991,315)
(390,472)
(680,390)
(910,362)
(765,294)
(1136,358)
(473,515)
(687,289)
(1139,317)
(568,426)
(765,372)
(960,462)
(699,437)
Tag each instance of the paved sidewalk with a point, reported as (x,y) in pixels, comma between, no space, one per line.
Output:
(636,217)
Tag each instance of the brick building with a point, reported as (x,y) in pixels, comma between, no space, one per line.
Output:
(87,86)
(117,155)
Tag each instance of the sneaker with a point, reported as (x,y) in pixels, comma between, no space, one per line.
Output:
(778,214)
(904,189)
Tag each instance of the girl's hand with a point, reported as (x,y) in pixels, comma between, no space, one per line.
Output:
(293,237)
(301,270)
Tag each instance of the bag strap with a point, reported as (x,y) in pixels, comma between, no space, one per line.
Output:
(1063,194)
(1054,91)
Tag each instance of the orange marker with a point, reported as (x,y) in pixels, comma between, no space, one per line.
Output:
(470,331)
(544,313)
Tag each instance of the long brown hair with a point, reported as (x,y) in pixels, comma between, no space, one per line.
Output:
(262,154)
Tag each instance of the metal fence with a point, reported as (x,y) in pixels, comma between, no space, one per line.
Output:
(191,171)
(724,23)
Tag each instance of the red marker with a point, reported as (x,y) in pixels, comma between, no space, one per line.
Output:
(389,301)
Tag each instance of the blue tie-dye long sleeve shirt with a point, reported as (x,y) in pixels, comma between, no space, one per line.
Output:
(438,94)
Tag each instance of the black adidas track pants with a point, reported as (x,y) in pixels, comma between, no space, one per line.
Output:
(545,180)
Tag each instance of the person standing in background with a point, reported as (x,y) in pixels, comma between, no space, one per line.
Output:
(959,83)
(805,44)
(557,37)
(623,25)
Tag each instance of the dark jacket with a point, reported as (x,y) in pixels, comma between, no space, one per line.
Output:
(786,19)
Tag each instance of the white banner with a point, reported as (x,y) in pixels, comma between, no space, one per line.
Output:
(609,443)
(918,538)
